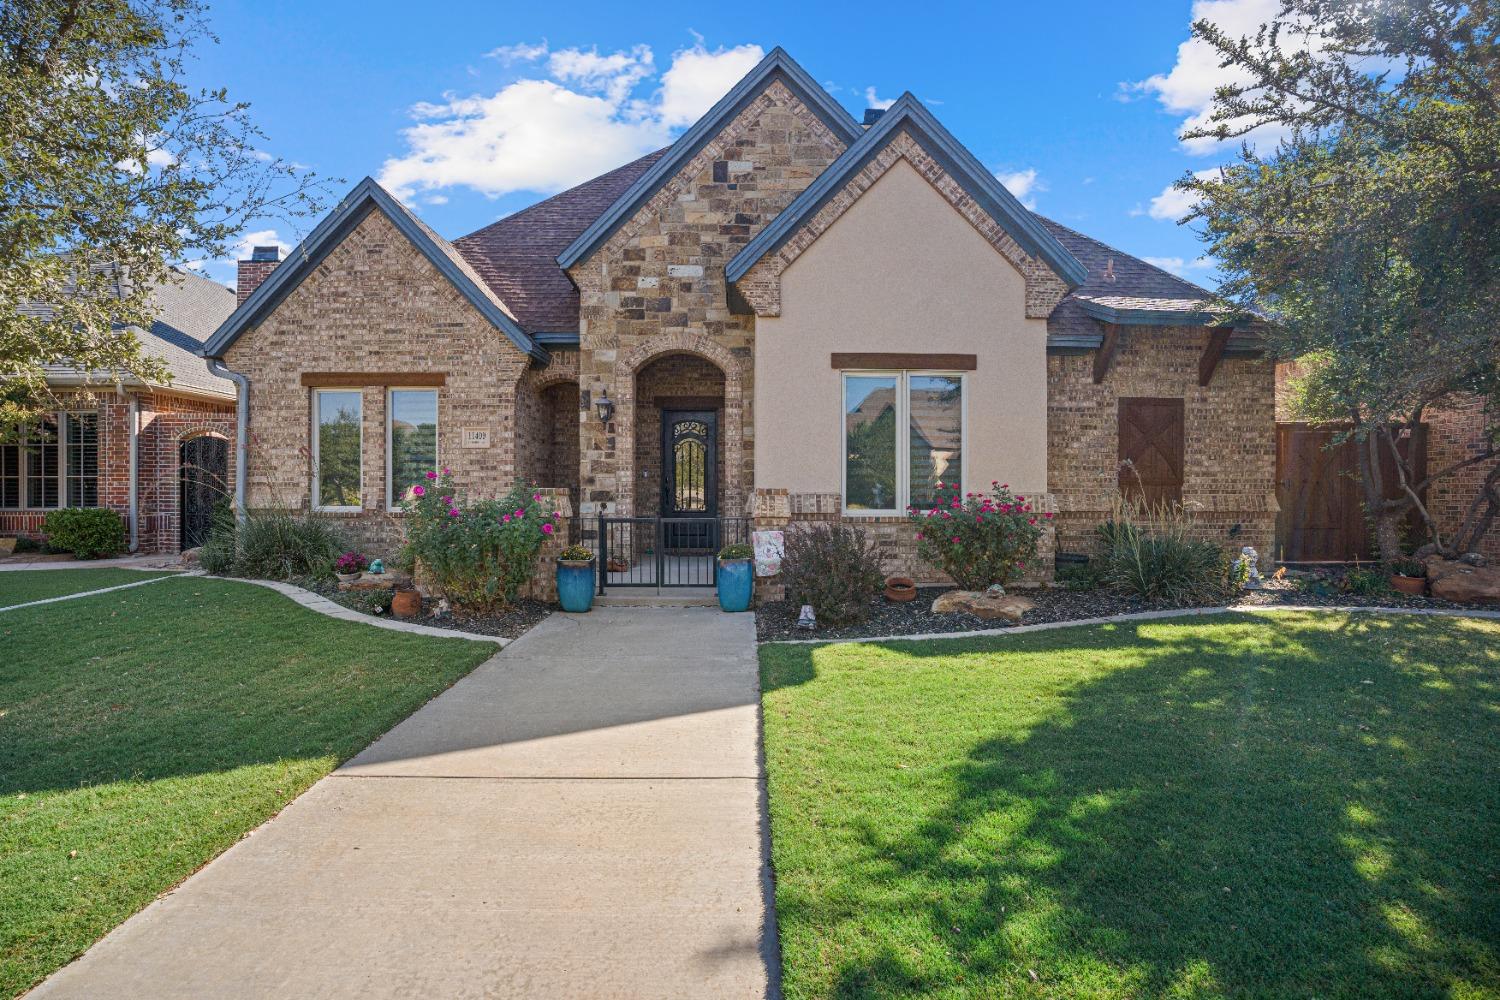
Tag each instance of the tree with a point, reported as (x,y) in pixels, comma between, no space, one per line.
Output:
(1370,236)
(111,168)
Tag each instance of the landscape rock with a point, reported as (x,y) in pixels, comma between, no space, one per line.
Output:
(1452,580)
(189,557)
(982,605)
(377,581)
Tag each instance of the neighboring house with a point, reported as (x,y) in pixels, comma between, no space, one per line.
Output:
(752,288)
(159,455)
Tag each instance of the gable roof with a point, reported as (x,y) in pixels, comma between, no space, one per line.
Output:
(185,310)
(776,65)
(910,115)
(368,196)
(517,256)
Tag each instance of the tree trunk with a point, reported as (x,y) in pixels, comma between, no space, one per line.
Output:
(1385,522)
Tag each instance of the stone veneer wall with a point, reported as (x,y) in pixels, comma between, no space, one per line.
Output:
(1230,439)
(657,286)
(376,304)
(679,377)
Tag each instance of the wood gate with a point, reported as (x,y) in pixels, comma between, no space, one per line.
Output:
(1322,517)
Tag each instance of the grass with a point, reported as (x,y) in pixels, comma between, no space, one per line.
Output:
(22,585)
(1249,806)
(144,731)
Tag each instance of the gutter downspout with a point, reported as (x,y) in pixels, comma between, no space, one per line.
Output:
(133,435)
(241,430)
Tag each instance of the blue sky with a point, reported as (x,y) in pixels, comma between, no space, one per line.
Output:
(474,110)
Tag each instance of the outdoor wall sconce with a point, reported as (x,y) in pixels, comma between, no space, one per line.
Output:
(604,406)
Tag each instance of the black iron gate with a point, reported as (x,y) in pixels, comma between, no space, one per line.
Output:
(665,551)
(205,469)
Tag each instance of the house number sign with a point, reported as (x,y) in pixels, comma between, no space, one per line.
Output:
(475,437)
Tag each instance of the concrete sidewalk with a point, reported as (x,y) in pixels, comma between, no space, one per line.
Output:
(582,816)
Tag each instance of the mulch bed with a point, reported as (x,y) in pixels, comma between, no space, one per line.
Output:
(778,620)
(511,623)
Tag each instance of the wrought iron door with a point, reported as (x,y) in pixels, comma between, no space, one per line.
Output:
(689,480)
(205,473)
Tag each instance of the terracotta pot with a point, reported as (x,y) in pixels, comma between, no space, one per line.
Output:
(900,588)
(406,603)
(1414,585)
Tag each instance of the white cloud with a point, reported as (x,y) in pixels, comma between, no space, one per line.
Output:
(1172,204)
(508,54)
(872,101)
(1178,266)
(697,78)
(1024,184)
(259,238)
(548,134)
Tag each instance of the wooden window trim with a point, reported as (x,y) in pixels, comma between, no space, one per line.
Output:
(906,362)
(358,380)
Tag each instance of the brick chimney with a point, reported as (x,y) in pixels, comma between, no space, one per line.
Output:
(252,272)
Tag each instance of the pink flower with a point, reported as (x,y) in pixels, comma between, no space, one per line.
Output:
(546,528)
(505,519)
(521,512)
(955,539)
(1027,508)
(431,474)
(447,471)
(955,505)
(1020,565)
(940,484)
(453,512)
(1005,486)
(417,491)
(1031,520)
(1020,499)
(920,536)
(1048,516)
(994,482)
(557,515)
(1005,508)
(536,497)
(448,501)
(947,516)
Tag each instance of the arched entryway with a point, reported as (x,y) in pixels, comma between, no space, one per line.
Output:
(204,484)
(679,437)
(558,464)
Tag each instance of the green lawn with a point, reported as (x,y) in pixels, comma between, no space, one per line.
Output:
(1246,806)
(144,731)
(20,586)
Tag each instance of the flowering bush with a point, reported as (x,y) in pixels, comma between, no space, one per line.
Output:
(478,552)
(350,562)
(978,538)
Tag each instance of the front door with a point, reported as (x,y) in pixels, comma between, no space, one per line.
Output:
(205,471)
(689,480)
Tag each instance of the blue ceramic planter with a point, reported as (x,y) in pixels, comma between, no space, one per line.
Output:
(736,582)
(575,586)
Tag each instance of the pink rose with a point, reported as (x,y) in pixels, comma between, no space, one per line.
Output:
(448,501)
(947,516)
(431,474)
(417,491)
(940,484)
(1020,565)
(447,471)
(546,528)
(1020,499)
(1031,520)
(453,512)
(505,519)
(920,536)
(1048,516)
(955,539)
(521,512)
(1005,486)
(536,498)
(955,505)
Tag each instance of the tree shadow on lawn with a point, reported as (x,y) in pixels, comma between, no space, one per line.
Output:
(1315,813)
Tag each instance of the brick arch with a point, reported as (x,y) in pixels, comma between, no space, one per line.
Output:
(701,346)
(205,430)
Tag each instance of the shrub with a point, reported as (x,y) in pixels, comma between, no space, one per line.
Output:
(1366,581)
(576,553)
(216,554)
(833,567)
(1147,552)
(1081,576)
(977,538)
(350,562)
(1408,567)
(481,552)
(282,544)
(87,532)
(738,550)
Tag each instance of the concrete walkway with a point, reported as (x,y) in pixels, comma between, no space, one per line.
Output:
(582,816)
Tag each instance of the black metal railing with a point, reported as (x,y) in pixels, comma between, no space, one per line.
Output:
(665,551)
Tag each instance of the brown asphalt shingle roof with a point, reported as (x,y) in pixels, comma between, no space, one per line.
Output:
(517,256)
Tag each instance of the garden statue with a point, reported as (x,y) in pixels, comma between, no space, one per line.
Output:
(377,566)
(1248,559)
(807,619)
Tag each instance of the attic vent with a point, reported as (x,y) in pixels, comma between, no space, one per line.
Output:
(872,115)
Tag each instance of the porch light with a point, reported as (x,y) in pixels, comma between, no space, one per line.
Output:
(604,406)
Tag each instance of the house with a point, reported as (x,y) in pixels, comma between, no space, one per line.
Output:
(738,310)
(159,454)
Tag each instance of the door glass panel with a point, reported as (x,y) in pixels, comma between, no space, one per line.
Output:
(936,417)
(870,442)
(689,465)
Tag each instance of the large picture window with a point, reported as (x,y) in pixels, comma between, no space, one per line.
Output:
(51,463)
(411,440)
(918,415)
(336,449)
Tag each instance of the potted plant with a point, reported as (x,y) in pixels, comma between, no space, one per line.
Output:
(900,589)
(575,579)
(406,602)
(1409,576)
(349,566)
(736,579)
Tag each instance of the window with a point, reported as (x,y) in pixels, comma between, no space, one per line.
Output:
(411,440)
(52,463)
(336,446)
(887,415)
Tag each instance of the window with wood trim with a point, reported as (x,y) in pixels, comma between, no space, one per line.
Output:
(1152,440)
(411,427)
(903,434)
(337,434)
(51,463)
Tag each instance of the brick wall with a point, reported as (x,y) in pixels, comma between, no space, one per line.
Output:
(657,286)
(1230,441)
(376,304)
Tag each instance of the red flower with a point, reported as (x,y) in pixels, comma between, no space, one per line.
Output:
(1048,516)
(955,539)
(920,536)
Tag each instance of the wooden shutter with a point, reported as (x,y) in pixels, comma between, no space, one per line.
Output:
(1151,449)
